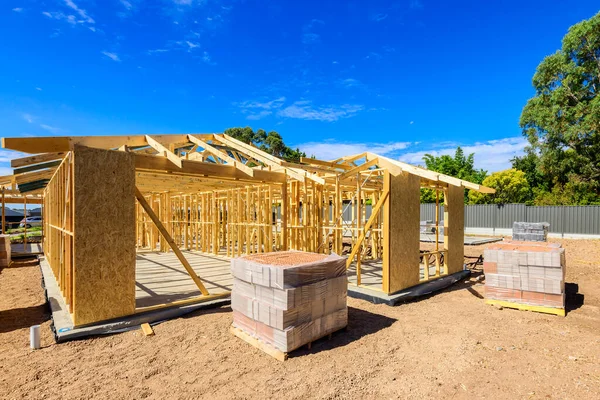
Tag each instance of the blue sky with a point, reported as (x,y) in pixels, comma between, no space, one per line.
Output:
(400,78)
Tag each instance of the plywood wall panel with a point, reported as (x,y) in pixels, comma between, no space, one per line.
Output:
(454,228)
(403,232)
(104,235)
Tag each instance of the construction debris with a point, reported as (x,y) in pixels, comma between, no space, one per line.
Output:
(531,231)
(147,329)
(288,299)
(521,274)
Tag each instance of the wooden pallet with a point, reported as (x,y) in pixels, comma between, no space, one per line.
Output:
(267,348)
(528,307)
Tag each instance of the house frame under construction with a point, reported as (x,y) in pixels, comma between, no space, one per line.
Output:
(106,198)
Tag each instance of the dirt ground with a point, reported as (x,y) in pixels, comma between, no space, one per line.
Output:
(447,345)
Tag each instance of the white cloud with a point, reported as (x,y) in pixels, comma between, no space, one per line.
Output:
(330,149)
(352,83)
(207,59)
(492,155)
(308,35)
(306,110)
(82,13)
(28,117)
(61,16)
(50,128)
(38,89)
(416,4)
(156,51)
(81,16)
(112,56)
(8,155)
(309,38)
(256,110)
(17,9)
(259,115)
(191,45)
(303,109)
(126,4)
(374,56)
(379,17)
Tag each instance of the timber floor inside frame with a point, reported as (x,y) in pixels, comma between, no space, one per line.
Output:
(161,278)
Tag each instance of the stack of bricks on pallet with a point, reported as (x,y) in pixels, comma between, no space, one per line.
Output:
(530,231)
(290,298)
(5,255)
(525,272)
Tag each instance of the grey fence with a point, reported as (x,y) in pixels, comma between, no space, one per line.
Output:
(583,220)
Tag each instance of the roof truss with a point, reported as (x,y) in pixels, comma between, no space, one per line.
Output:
(205,161)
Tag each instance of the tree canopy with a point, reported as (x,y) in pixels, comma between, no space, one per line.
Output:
(511,187)
(271,142)
(562,121)
(459,166)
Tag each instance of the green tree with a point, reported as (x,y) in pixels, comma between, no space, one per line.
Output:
(511,187)
(271,142)
(562,120)
(459,166)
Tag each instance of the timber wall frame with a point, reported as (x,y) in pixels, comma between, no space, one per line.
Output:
(106,196)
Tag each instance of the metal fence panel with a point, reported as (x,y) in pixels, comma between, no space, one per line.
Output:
(582,219)
(480,215)
(428,212)
(506,214)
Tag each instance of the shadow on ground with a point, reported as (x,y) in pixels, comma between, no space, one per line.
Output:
(19,318)
(573,300)
(361,323)
(217,309)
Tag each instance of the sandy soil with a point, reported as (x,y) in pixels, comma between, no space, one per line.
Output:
(447,345)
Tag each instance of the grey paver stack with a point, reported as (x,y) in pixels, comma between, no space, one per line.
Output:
(530,231)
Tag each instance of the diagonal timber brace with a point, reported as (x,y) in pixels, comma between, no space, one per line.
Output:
(170,241)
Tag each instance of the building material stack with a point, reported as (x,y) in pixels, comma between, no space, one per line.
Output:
(5,254)
(289,299)
(530,231)
(526,275)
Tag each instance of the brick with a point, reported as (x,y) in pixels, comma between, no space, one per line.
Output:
(490,267)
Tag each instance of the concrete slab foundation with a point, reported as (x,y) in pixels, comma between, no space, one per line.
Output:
(379,297)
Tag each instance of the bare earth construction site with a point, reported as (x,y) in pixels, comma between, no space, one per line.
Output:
(450,344)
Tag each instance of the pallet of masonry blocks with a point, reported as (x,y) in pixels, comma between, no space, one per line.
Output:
(288,299)
(5,252)
(526,273)
(530,231)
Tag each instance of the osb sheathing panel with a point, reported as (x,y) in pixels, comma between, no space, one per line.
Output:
(404,214)
(104,235)
(454,228)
